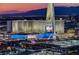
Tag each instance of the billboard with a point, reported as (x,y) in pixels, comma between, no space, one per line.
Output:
(45,35)
(17,37)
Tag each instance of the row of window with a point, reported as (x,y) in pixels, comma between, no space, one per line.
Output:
(22,18)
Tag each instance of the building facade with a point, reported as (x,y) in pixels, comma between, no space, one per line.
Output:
(34,25)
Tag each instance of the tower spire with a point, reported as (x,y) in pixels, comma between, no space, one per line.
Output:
(50,16)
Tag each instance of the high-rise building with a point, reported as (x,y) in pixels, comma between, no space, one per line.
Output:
(22,25)
(5,26)
(35,26)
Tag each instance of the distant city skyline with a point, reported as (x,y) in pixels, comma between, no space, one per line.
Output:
(20,7)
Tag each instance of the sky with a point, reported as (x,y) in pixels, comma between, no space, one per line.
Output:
(20,7)
(17,7)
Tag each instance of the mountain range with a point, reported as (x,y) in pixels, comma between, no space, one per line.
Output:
(38,12)
(10,12)
(42,12)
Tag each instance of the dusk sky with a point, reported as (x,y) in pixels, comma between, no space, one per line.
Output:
(18,7)
(21,7)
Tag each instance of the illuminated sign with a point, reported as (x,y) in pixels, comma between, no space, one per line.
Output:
(49,28)
(31,36)
(18,37)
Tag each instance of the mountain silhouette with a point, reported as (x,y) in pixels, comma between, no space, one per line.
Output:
(10,12)
(38,12)
(67,10)
(42,12)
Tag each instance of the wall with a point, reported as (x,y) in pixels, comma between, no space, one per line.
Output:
(59,27)
(29,26)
